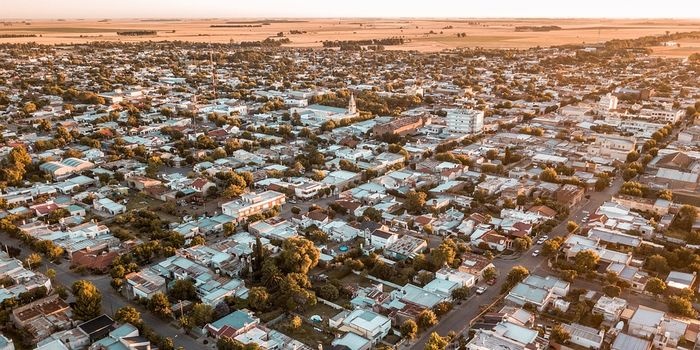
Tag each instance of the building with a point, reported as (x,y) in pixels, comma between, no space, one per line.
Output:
(569,195)
(664,115)
(44,316)
(125,337)
(6,343)
(66,167)
(612,146)
(233,324)
(646,322)
(610,308)
(587,337)
(252,203)
(405,247)
(367,324)
(607,102)
(628,342)
(351,341)
(681,280)
(400,125)
(465,121)
(144,284)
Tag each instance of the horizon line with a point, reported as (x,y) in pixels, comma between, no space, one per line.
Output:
(167,18)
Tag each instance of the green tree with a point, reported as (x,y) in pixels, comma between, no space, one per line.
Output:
(160,305)
(258,298)
(128,314)
(415,201)
(490,273)
(516,274)
(409,329)
(655,285)
(444,254)
(586,260)
(560,335)
(183,289)
(685,218)
(658,264)
(88,300)
(571,226)
(551,246)
(298,255)
(612,290)
(549,175)
(329,292)
(427,319)
(201,314)
(681,306)
(436,342)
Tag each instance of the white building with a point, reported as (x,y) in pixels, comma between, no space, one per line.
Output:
(669,116)
(612,146)
(465,121)
(252,203)
(367,324)
(607,102)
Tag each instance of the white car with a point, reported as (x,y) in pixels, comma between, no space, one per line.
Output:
(541,241)
(536,253)
(481,290)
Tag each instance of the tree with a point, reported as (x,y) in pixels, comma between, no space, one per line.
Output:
(88,300)
(490,273)
(516,274)
(633,156)
(559,334)
(665,194)
(160,305)
(681,306)
(415,201)
(329,292)
(571,226)
(461,293)
(551,246)
(258,298)
(655,285)
(549,175)
(612,290)
(685,218)
(436,342)
(586,260)
(521,244)
(442,308)
(32,261)
(183,289)
(128,314)
(569,275)
(444,254)
(372,214)
(409,329)
(427,319)
(201,314)
(658,264)
(298,255)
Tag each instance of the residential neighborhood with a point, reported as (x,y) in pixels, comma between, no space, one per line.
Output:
(181,195)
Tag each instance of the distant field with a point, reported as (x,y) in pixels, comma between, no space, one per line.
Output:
(419,34)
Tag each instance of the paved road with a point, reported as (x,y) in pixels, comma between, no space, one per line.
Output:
(458,319)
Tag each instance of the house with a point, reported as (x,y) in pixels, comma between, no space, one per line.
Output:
(610,308)
(539,291)
(464,279)
(475,264)
(125,336)
(68,166)
(252,203)
(379,239)
(586,337)
(144,284)
(98,327)
(569,195)
(351,341)
(405,247)
(42,317)
(7,343)
(232,325)
(628,342)
(141,183)
(681,280)
(646,322)
(505,335)
(202,185)
(367,324)
(108,206)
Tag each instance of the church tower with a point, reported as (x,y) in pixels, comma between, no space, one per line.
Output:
(352,108)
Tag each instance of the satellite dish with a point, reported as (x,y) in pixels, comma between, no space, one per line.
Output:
(620,325)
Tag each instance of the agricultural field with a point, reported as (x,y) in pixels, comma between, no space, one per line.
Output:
(418,34)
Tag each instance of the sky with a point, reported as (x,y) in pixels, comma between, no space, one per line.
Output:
(66,9)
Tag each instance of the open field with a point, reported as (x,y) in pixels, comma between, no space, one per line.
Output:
(420,34)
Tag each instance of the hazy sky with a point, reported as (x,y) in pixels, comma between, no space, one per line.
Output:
(27,9)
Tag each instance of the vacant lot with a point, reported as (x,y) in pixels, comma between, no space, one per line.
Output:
(420,34)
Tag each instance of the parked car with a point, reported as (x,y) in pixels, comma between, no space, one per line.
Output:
(491,282)
(481,290)
(536,253)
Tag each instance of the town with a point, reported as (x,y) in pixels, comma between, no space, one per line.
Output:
(184,195)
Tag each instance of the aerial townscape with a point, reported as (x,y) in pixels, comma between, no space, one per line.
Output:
(288,185)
